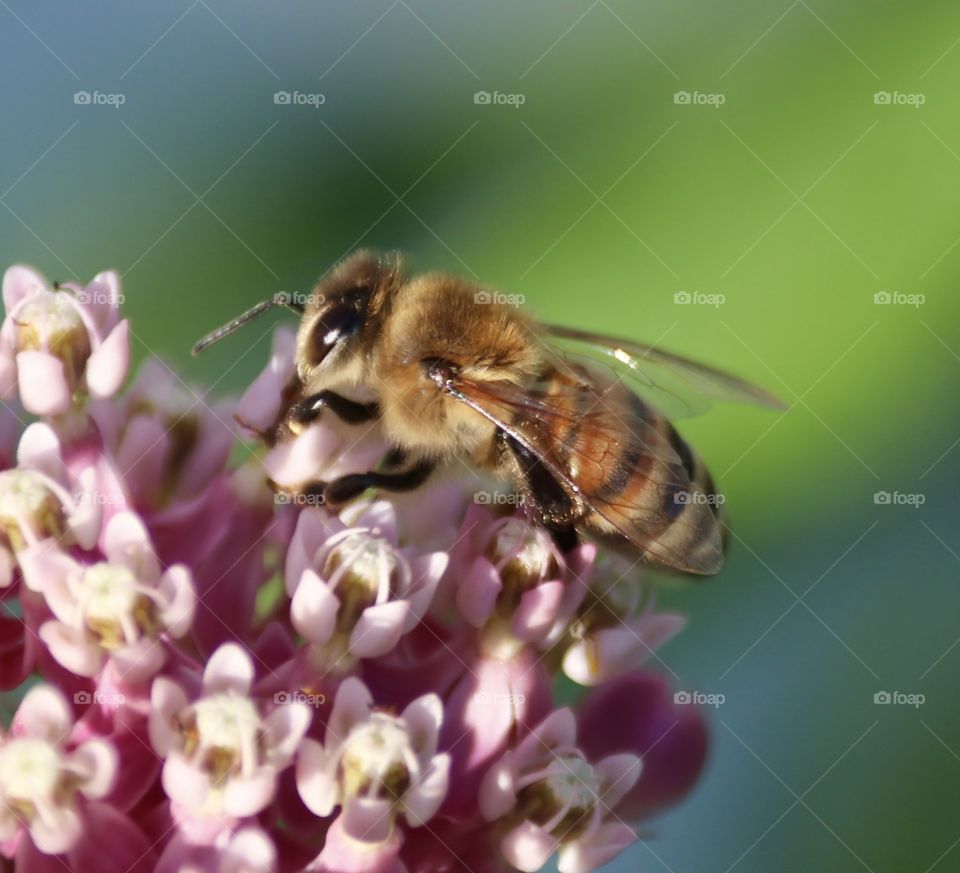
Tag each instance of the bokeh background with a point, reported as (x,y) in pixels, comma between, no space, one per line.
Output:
(781,198)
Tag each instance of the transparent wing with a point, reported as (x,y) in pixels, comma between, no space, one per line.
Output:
(678,386)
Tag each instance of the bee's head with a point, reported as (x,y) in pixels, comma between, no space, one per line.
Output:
(342,315)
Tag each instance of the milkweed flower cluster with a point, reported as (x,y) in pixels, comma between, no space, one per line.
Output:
(216,672)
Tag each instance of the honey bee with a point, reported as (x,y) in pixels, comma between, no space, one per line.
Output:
(458,373)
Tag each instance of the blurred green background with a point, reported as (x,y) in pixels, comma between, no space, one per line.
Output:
(783,187)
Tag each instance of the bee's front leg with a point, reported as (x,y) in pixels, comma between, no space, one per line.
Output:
(308,409)
(351,485)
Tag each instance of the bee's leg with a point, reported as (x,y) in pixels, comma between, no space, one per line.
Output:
(349,411)
(352,485)
(546,500)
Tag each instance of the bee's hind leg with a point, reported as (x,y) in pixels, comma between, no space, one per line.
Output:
(348,411)
(351,485)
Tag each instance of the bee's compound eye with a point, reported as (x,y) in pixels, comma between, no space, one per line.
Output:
(341,319)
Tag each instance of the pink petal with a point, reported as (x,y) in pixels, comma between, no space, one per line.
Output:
(352,705)
(245,796)
(39,449)
(423,800)
(528,847)
(557,731)
(618,774)
(313,610)
(229,669)
(296,461)
(139,661)
(107,366)
(498,792)
(378,516)
(537,611)
(250,851)
(95,761)
(167,699)
(43,385)
(378,629)
(284,729)
(43,713)
(260,405)
(316,778)
(46,568)
(126,541)
(71,648)
(176,588)
(426,571)
(183,782)
(367,820)
(588,853)
(19,282)
(478,591)
(57,832)
(423,717)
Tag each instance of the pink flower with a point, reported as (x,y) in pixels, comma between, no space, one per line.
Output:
(549,798)
(613,631)
(637,713)
(512,579)
(224,750)
(122,609)
(44,778)
(38,501)
(355,590)
(375,765)
(54,343)
(318,452)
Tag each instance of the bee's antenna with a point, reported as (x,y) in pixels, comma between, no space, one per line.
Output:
(282,299)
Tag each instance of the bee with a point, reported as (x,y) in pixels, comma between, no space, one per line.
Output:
(458,373)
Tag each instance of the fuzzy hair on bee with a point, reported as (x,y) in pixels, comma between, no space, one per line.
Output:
(455,372)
